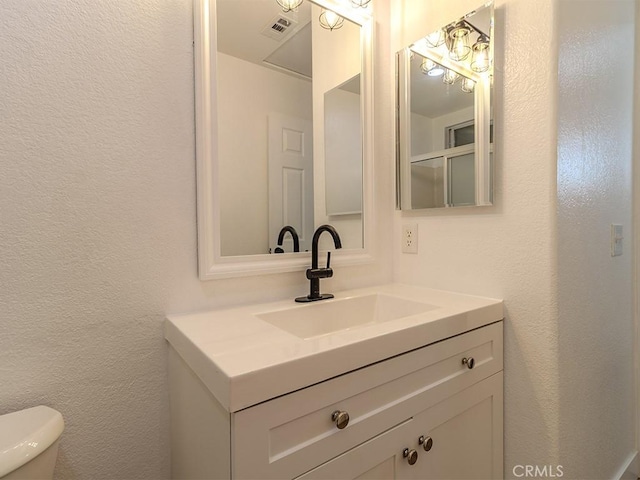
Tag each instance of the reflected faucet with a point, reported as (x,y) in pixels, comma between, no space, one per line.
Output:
(314,274)
(294,235)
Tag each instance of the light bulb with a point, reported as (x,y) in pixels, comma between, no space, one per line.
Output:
(449,77)
(289,5)
(435,39)
(459,49)
(480,57)
(468,85)
(330,20)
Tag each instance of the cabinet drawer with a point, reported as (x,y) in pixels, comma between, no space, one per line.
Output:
(290,435)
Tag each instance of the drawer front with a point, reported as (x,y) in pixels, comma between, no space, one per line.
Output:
(290,435)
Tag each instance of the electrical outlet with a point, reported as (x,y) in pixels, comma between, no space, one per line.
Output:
(410,238)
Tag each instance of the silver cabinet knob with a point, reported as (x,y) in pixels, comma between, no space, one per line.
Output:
(410,455)
(469,362)
(341,419)
(426,442)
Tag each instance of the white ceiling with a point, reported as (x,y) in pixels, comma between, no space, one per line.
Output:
(241,24)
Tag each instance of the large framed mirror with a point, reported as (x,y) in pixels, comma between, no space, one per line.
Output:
(283,132)
(444,121)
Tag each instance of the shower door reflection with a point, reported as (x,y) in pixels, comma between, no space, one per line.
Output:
(444,179)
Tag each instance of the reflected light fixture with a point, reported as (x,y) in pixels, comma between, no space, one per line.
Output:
(289,5)
(459,38)
(435,39)
(360,3)
(454,41)
(480,54)
(431,68)
(330,20)
(468,85)
(450,77)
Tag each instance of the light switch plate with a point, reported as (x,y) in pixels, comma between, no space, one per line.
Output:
(616,240)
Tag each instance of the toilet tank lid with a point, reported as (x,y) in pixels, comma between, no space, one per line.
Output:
(26,434)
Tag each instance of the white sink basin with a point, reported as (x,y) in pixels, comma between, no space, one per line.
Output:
(330,316)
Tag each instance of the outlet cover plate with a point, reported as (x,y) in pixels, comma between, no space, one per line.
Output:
(410,238)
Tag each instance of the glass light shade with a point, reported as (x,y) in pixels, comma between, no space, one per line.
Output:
(288,5)
(435,39)
(360,3)
(330,20)
(442,50)
(431,68)
(480,55)
(450,77)
(468,85)
(459,42)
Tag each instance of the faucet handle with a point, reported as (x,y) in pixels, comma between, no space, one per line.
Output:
(328,259)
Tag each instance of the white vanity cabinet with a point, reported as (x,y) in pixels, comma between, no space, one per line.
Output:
(427,396)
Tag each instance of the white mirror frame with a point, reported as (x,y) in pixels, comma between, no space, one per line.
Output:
(211,264)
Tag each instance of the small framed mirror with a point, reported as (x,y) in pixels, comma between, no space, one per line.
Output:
(444,120)
(274,78)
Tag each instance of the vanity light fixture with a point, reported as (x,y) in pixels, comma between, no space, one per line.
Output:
(360,3)
(480,54)
(454,40)
(468,85)
(459,39)
(449,77)
(431,68)
(289,5)
(330,20)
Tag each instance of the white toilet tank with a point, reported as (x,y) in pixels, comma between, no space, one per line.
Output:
(29,443)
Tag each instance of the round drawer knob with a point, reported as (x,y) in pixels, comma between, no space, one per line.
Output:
(410,455)
(426,442)
(341,419)
(469,362)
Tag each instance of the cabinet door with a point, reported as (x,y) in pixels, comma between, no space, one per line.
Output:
(380,458)
(466,432)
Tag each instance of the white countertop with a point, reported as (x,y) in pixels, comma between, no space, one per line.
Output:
(244,360)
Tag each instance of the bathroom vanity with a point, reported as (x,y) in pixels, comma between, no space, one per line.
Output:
(386,382)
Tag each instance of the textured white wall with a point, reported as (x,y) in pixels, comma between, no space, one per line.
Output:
(506,251)
(97,222)
(595,303)
(544,245)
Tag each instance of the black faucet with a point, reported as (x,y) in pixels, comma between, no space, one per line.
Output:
(314,274)
(294,235)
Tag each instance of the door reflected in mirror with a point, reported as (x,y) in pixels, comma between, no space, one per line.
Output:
(444,123)
(276,156)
